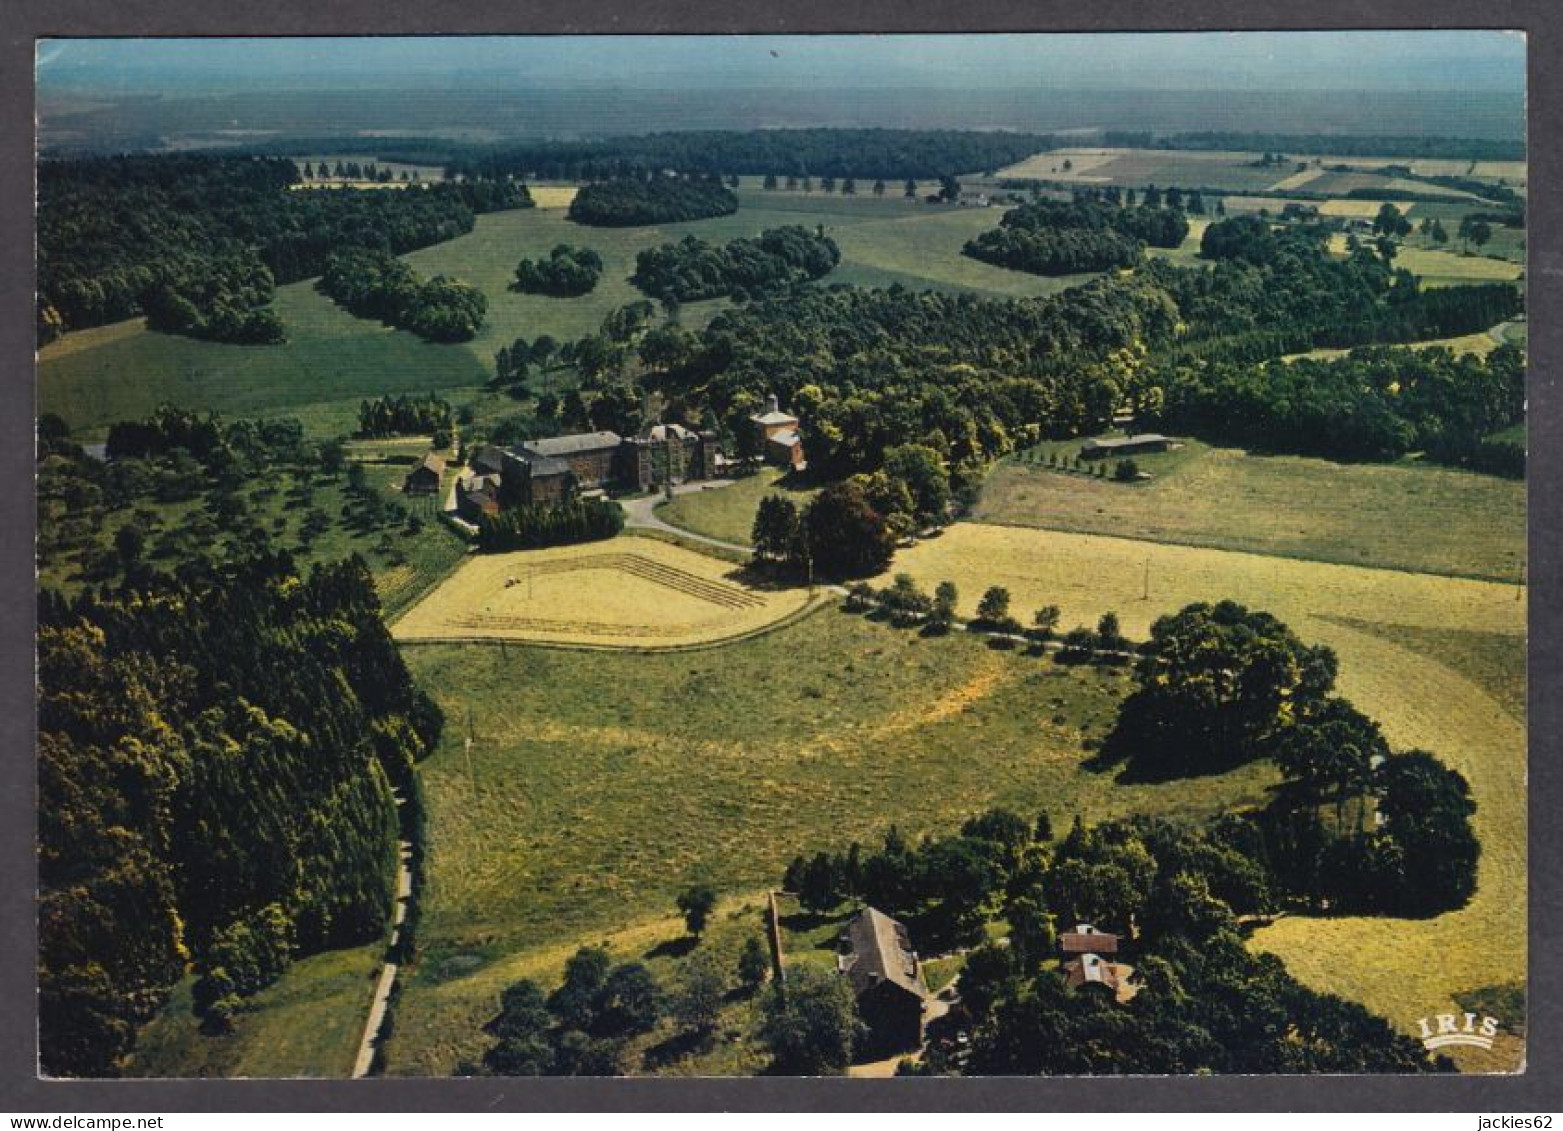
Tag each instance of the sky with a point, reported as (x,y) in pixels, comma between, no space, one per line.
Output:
(1305,61)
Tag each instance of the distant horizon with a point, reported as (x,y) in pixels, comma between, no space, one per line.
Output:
(1368,61)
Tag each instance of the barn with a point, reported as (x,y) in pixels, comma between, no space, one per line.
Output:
(425,478)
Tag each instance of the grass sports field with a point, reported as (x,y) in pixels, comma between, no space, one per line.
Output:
(599,785)
(1460,708)
(1408,517)
(624,593)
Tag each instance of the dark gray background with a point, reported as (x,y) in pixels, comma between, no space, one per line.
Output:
(21,1092)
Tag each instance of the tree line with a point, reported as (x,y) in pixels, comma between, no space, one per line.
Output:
(216,756)
(1374,404)
(655,199)
(198,243)
(883,153)
(376,284)
(404,415)
(1344,145)
(533,527)
(693,269)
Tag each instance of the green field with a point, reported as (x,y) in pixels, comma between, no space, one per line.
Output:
(727,513)
(332,359)
(1397,516)
(308,1024)
(601,784)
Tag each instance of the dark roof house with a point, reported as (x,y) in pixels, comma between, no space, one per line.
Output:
(886,977)
(425,478)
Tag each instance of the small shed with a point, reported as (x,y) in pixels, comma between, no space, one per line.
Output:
(425,478)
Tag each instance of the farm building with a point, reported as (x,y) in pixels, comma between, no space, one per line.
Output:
(780,442)
(1094,972)
(877,958)
(546,472)
(1086,939)
(425,478)
(1127,446)
(477,496)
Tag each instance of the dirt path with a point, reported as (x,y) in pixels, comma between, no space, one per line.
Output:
(382,991)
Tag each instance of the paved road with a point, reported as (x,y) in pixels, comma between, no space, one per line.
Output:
(640,514)
(382,989)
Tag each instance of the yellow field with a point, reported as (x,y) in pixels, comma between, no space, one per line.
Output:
(79,341)
(1050,165)
(553,196)
(626,593)
(1358,209)
(1480,343)
(1297,180)
(1416,965)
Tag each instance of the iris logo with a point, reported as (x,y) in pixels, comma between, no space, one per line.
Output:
(1458,1029)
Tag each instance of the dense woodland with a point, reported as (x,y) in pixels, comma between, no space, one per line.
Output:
(1375,404)
(216,756)
(197,243)
(376,284)
(631,202)
(568,272)
(694,269)
(1051,237)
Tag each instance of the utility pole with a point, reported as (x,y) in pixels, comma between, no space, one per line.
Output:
(471,734)
(1147,594)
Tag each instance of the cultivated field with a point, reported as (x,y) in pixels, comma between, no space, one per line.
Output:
(1461,710)
(1408,517)
(599,785)
(624,593)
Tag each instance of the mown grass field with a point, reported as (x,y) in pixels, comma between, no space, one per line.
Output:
(626,592)
(1460,707)
(727,513)
(1405,517)
(307,1024)
(601,784)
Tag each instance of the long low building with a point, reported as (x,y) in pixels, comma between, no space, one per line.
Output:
(1125,446)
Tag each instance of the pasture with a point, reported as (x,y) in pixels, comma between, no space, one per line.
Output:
(599,785)
(332,359)
(1395,516)
(1459,708)
(627,592)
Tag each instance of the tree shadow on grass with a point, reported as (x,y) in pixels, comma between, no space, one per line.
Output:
(673,948)
(678,1047)
(1139,761)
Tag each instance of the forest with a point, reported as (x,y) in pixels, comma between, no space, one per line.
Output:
(376,284)
(1052,237)
(216,756)
(694,269)
(631,202)
(883,153)
(198,243)
(1375,404)
(567,272)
